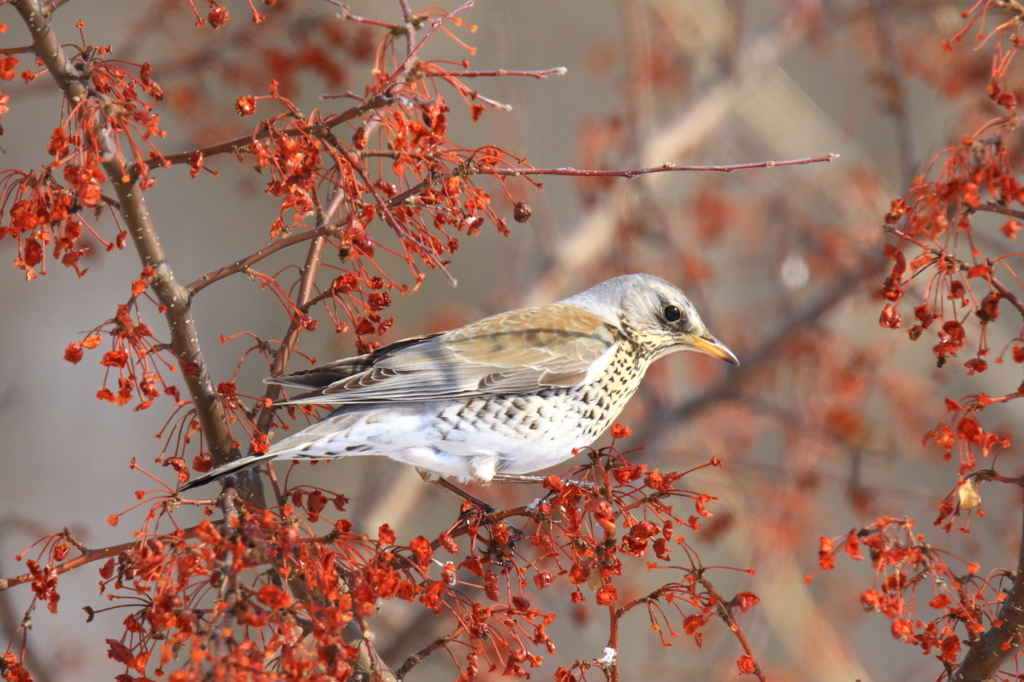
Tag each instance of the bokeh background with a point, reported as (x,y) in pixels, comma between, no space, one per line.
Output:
(819,429)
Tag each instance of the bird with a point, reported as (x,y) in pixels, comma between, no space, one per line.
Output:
(508,395)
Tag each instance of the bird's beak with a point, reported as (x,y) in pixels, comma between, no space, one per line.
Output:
(715,348)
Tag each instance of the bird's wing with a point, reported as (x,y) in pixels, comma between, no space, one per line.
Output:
(512,353)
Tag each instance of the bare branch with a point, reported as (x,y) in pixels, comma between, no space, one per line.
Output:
(633,172)
(418,657)
(894,90)
(1004,210)
(243,264)
(1008,295)
(557,71)
(291,337)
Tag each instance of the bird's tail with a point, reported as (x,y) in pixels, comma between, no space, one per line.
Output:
(229,468)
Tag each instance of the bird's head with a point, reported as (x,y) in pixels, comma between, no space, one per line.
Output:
(654,313)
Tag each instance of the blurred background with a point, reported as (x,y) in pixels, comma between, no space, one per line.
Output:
(820,427)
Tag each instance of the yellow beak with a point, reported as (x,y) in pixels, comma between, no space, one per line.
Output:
(715,348)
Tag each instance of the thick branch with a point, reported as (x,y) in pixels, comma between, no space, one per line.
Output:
(184,339)
(999,643)
(894,89)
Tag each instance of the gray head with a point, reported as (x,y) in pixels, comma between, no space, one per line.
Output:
(654,313)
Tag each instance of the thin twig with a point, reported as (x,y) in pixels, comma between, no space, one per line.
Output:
(303,300)
(244,142)
(633,172)
(1012,298)
(291,337)
(557,71)
(726,615)
(1008,295)
(418,657)
(1004,210)
(242,264)
(410,61)
(412,23)
(392,221)
(87,558)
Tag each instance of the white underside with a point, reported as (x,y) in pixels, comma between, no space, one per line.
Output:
(424,441)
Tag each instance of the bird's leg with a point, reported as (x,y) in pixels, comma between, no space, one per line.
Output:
(458,492)
(487,509)
(484,507)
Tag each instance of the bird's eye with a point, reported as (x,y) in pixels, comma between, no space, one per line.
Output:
(672,313)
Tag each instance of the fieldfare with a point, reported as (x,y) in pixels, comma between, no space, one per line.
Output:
(510,394)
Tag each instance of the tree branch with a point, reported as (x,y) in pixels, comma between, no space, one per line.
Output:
(1008,295)
(725,614)
(413,57)
(894,90)
(291,337)
(633,172)
(184,338)
(418,657)
(1000,643)
(86,558)
(243,143)
(544,73)
(1004,210)
(242,264)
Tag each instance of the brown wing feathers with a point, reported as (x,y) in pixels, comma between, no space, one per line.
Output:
(515,352)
